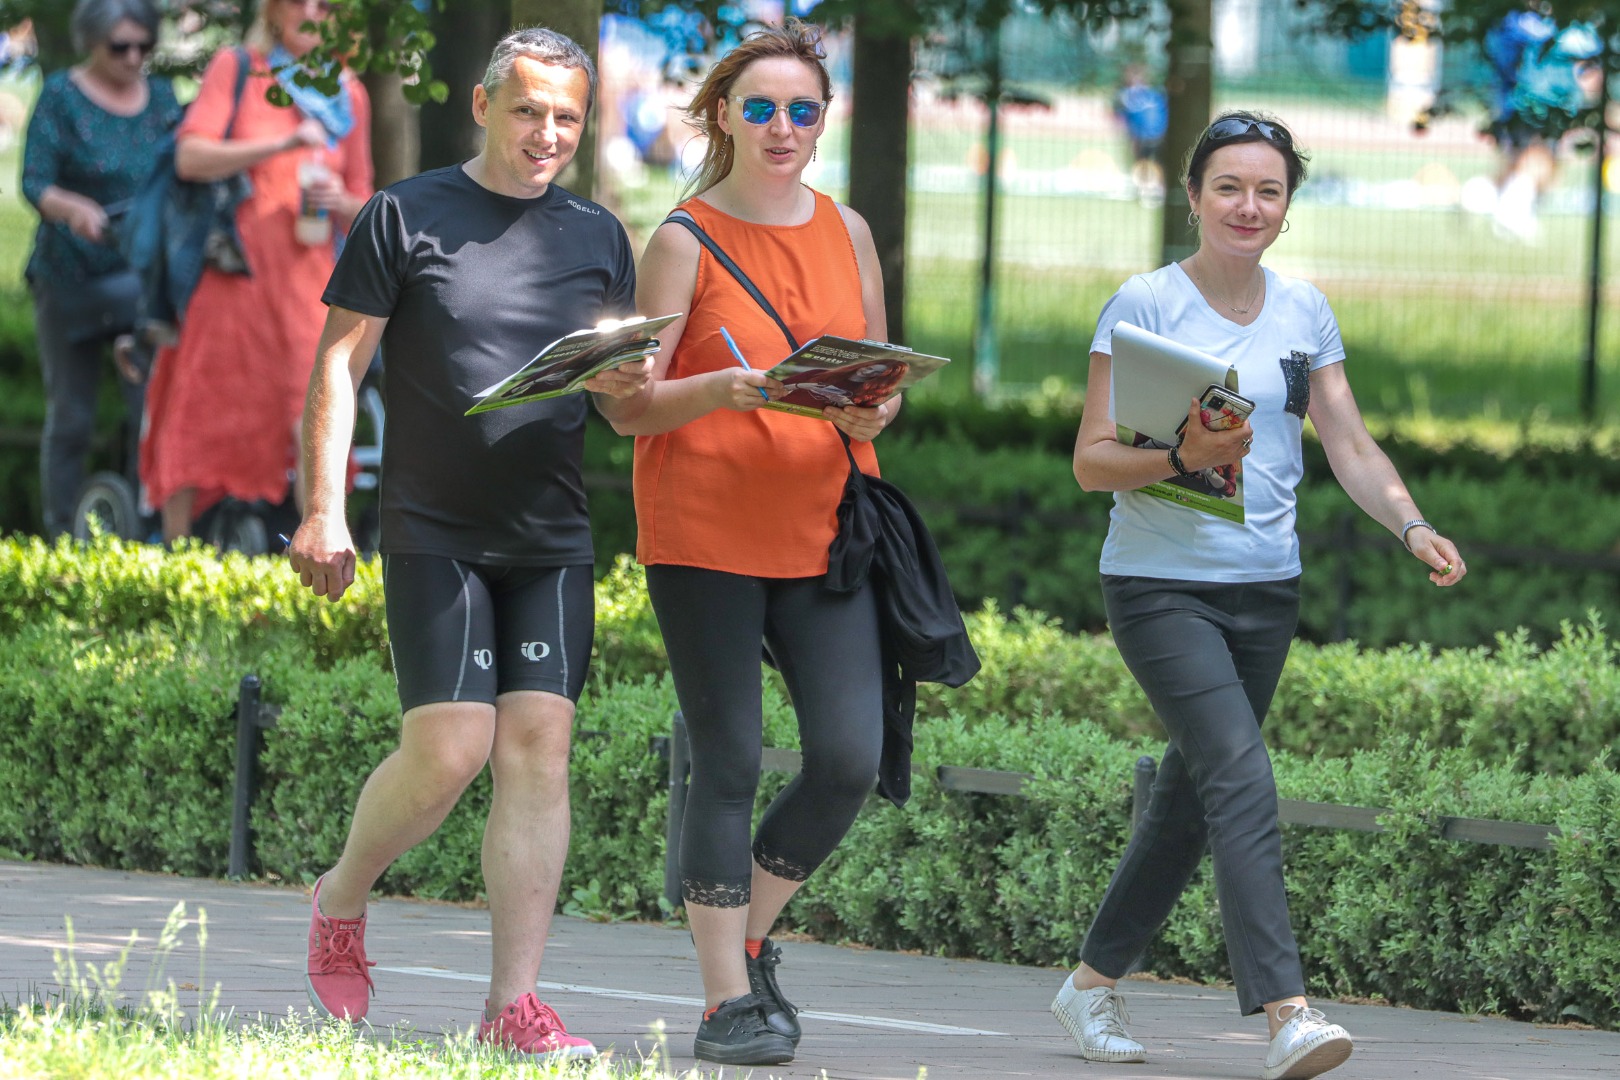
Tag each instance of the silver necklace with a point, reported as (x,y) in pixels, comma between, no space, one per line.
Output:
(1231,306)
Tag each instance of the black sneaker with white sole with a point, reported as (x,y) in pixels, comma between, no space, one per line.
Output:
(736,1033)
(782,1014)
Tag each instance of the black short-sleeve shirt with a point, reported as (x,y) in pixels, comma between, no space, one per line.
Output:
(473,285)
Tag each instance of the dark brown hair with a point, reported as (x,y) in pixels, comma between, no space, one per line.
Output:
(1295,159)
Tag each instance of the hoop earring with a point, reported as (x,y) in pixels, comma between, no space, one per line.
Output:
(1192,219)
(1286,226)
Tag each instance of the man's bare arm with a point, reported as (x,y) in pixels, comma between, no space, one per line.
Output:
(322,551)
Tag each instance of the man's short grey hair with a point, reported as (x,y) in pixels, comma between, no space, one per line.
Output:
(93,20)
(546,46)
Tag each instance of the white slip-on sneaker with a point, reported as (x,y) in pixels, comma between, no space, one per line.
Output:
(1306,1045)
(1096,1018)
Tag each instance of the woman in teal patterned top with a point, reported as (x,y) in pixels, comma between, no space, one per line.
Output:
(92,142)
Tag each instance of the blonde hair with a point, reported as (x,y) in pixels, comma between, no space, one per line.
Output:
(261,35)
(795,40)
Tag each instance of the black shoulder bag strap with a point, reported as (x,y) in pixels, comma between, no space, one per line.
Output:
(685,220)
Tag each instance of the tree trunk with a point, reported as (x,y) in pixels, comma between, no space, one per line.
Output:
(396,133)
(467,31)
(396,140)
(582,21)
(880,158)
(1189,88)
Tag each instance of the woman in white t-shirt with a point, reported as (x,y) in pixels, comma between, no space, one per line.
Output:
(1203,608)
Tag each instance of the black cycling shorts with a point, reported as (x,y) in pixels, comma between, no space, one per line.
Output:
(466,632)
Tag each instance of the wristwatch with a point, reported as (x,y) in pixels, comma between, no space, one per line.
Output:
(1413,524)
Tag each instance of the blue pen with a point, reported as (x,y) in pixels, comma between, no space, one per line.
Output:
(732,345)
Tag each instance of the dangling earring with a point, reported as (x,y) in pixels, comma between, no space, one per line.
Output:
(1192,219)
(1286,226)
(813,153)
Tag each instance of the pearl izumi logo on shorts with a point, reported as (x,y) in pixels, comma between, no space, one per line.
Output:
(581,207)
(535,650)
(483,658)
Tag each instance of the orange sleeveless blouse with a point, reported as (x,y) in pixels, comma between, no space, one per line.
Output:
(754,493)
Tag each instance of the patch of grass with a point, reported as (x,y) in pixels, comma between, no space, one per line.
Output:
(71,1041)
(87,1031)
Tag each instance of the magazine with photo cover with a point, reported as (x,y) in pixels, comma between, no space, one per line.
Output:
(564,366)
(1153,381)
(845,371)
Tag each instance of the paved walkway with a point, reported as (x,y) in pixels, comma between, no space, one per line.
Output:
(869,1015)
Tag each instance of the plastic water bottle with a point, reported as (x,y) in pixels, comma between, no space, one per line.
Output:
(314,225)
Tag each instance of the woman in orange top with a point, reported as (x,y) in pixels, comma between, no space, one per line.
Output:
(224,405)
(735,507)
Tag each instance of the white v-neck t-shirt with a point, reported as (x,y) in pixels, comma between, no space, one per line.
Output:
(1294,335)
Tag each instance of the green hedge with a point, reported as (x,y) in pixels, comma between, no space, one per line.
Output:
(116,750)
(1554,708)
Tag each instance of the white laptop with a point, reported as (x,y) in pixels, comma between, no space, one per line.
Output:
(1154,381)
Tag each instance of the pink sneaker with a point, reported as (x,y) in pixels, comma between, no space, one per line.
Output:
(529,1026)
(335,976)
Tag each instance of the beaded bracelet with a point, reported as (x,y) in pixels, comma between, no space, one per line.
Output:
(1175,463)
(1413,524)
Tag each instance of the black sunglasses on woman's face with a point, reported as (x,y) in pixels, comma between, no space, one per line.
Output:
(122,48)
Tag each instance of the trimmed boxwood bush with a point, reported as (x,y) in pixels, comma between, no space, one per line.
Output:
(1552,708)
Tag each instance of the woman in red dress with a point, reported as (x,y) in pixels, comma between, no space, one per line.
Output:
(224,406)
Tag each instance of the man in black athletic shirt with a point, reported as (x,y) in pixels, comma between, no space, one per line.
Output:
(462,274)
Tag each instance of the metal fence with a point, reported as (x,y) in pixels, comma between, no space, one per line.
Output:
(1448,298)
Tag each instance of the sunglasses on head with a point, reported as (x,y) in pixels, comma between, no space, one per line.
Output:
(802,112)
(1233,127)
(122,48)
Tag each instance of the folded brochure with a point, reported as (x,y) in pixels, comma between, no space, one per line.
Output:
(844,371)
(563,366)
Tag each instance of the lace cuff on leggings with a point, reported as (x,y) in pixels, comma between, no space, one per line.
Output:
(715,893)
(782,868)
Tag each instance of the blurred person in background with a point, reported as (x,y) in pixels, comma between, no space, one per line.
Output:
(225,403)
(93,140)
(1144,112)
(1541,79)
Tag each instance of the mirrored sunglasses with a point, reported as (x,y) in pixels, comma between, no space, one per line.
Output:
(1233,127)
(802,112)
(122,48)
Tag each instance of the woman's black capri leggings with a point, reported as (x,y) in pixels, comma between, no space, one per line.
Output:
(826,646)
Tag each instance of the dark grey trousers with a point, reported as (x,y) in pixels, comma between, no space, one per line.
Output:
(1208,655)
(73,373)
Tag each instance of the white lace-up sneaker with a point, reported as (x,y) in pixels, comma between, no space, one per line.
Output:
(1096,1018)
(1306,1045)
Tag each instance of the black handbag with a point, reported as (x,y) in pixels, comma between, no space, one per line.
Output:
(102,307)
(882,537)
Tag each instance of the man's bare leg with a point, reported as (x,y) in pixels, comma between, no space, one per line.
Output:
(442,747)
(526,838)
